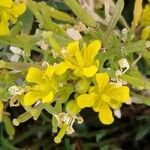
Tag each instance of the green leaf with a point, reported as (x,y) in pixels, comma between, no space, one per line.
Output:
(59,15)
(100,135)
(63,41)
(32,131)
(116,15)
(142,132)
(112,50)
(9,126)
(134,47)
(16,29)
(51,40)
(23,41)
(43,17)
(4,94)
(6,145)
(27,21)
(81,13)
(69,145)
(47,20)
(138,82)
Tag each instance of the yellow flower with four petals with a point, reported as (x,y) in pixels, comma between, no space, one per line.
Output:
(44,87)
(103,97)
(81,61)
(9,12)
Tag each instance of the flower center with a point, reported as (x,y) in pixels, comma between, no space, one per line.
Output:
(105,98)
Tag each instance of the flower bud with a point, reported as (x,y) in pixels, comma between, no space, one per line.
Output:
(82,86)
(72,107)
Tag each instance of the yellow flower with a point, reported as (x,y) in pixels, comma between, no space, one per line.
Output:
(9,11)
(1,111)
(103,97)
(81,61)
(44,86)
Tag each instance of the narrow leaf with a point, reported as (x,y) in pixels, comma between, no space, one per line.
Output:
(9,127)
(116,15)
(81,13)
(134,47)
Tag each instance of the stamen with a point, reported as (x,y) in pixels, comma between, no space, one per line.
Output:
(65,122)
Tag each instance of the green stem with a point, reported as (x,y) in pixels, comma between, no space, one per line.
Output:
(18,65)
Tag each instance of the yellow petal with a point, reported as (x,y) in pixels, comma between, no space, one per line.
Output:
(120,94)
(115,104)
(79,58)
(49,71)
(34,75)
(71,64)
(4,28)
(84,52)
(85,100)
(43,86)
(18,10)
(72,47)
(90,71)
(6,3)
(100,101)
(92,51)
(105,115)
(61,68)
(105,98)
(48,98)
(97,105)
(31,97)
(145,33)
(5,16)
(102,80)
(78,72)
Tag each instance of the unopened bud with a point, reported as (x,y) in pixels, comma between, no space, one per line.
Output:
(72,107)
(82,86)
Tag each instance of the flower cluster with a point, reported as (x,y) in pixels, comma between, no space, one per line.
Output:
(44,88)
(9,12)
(103,97)
(83,61)
(79,68)
(56,64)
